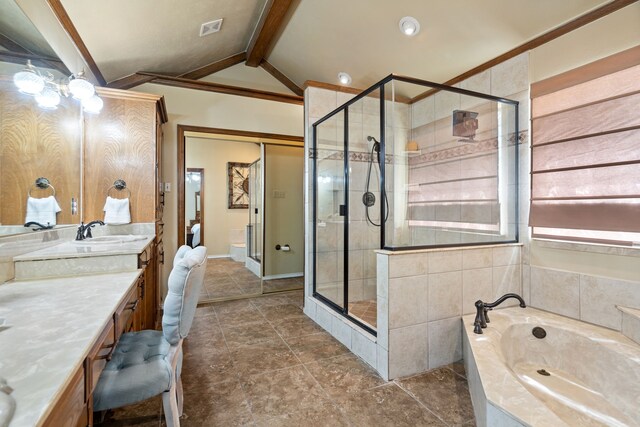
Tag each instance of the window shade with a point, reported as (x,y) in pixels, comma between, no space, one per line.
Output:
(585,166)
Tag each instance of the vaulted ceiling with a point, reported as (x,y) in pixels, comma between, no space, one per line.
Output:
(299,40)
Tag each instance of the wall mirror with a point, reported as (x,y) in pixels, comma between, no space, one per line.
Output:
(253,209)
(35,142)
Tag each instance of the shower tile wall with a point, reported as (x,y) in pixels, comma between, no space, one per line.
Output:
(424,294)
(448,169)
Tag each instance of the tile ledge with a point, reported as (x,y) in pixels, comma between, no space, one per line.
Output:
(587,247)
(453,248)
(633,312)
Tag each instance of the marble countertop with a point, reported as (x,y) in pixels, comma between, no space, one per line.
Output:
(54,323)
(70,249)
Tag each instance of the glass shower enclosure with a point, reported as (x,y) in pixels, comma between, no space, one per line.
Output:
(407,164)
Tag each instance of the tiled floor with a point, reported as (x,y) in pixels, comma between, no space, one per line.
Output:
(366,310)
(261,362)
(226,278)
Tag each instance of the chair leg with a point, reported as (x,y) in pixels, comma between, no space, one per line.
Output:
(179,396)
(170,406)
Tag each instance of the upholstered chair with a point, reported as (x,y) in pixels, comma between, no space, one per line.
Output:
(148,363)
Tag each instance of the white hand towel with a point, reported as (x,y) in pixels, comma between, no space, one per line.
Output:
(42,210)
(116,211)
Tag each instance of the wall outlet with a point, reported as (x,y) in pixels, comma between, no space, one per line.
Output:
(279,194)
(167,187)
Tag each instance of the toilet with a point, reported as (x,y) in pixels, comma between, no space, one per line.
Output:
(238,247)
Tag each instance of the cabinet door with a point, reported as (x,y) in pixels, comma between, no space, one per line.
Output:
(120,143)
(70,410)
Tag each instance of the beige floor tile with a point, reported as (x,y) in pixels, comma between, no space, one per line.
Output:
(442,391)
(387,405)
(343,375)
(314,347)
(325,414)
(223,404)
(263,356)
(248,333)
(296,327)
(282,392)
(274,313)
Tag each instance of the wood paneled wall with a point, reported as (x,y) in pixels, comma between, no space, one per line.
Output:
(37,143)
(120,143)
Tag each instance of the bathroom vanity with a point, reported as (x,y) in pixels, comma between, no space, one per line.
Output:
(67,307)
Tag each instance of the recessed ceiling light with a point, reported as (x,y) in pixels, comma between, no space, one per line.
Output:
(210,27)
(409,26)
(344,78)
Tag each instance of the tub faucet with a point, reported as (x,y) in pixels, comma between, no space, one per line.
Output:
(84,231)
(482,318)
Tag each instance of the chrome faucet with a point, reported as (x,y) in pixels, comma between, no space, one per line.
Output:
(482,318)
(84,231)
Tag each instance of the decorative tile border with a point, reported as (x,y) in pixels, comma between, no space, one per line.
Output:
(445,154)
(467,149)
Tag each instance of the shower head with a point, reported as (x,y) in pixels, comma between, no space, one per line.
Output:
(376,144)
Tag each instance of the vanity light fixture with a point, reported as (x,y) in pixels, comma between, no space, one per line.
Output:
(29,81)
(48,93)
(93,105)
(344,78)
(49,98)
(409,26)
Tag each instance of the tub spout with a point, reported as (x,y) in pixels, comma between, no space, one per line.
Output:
(482,317)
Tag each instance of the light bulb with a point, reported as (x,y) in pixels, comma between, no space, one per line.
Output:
(344,78)
(48,98)
(93,105)
(80,87)
(409,26)
(28,80)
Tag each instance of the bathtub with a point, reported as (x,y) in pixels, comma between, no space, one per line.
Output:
(577,375)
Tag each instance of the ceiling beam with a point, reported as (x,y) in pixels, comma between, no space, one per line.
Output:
(40,60)
(282,78)
(268,25)
(214,67)
(10,45)
(563,29)
(127,82)
(218,88)
(71,30)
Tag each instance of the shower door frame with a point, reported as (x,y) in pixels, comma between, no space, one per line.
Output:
(344,311)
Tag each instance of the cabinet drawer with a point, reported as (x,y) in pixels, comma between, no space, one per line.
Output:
(124,314)
(70,409)
(101,354)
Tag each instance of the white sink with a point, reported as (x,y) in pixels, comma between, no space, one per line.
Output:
(109,240)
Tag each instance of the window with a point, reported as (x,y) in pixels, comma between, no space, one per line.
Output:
(585,166)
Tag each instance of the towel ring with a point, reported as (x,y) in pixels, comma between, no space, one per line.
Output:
(119,185)
(42,184)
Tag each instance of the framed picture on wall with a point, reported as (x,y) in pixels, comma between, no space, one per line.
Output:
(238,174)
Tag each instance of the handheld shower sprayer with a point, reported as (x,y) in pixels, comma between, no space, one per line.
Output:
(368,198)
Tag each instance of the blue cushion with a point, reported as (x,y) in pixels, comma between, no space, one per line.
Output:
(138,370)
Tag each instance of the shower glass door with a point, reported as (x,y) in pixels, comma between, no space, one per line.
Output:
(330,211)
(255,210)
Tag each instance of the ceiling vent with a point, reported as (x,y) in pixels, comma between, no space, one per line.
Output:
(210,27)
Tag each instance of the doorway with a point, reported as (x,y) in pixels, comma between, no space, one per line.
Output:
(253,209)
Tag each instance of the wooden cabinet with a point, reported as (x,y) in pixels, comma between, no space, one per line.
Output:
(147,261)
(124,142)
(71,410)
(75,406)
